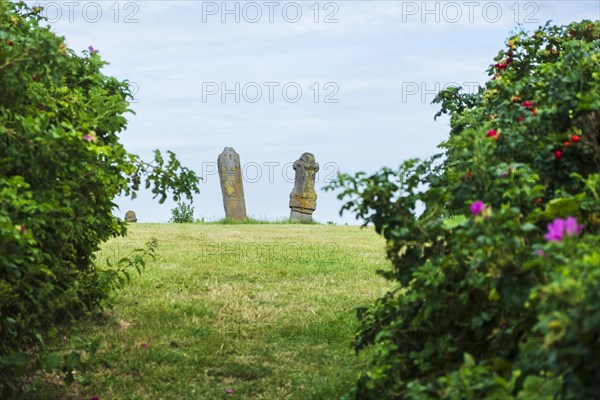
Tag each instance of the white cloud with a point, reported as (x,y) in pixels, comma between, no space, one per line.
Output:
(375,49)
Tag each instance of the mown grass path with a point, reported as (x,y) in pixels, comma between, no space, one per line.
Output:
(266,311)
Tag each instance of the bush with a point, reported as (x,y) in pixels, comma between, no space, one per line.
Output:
(495,243)
(182,214)
(62,164)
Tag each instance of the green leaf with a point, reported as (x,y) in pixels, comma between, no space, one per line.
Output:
(561,208)
(52,362)
(454,222)
(539,388)
(528,227)
(469,361)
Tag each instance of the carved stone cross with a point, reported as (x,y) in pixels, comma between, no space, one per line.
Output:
(303,199)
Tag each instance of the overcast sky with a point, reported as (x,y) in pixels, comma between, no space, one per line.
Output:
(349,81)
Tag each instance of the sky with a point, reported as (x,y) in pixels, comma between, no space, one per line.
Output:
(350,81)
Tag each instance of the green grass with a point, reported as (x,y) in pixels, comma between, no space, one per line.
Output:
(255,221)
(265,310)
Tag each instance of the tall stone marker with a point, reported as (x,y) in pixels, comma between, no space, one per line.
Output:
(303,199)
(130,216)
(230,174)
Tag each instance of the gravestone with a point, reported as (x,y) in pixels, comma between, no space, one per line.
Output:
(130,216)
(303,199)
(230,174)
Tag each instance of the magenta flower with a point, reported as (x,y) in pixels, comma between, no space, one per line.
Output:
(92,50)
(229,391)
(477,207)
(94,398)
(87,138)
(540,253)
(559,228)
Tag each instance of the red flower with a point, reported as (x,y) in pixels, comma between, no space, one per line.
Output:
(520,119)
(527,104)
(493,133)
(575,138)
(567,143)
(557,154)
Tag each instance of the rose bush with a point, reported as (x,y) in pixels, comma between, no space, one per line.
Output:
(494,242)
(62,165)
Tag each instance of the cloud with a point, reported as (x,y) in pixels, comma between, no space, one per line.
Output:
(372,53)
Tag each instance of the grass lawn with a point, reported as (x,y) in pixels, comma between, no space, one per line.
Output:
(264,310)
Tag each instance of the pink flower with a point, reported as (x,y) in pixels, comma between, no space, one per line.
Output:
(540,253)
(527,104)
(477,207)
(90,137)
(559,228)
(229,391)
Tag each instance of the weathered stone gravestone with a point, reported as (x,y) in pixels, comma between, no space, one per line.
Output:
(230,174)
(130,216)
(303,199)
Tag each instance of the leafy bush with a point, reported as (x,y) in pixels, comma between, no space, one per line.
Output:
(62,164)
(182,214)
(495,243)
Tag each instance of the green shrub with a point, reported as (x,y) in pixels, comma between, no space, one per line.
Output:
(182,214)
(495,243)
(62,165)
